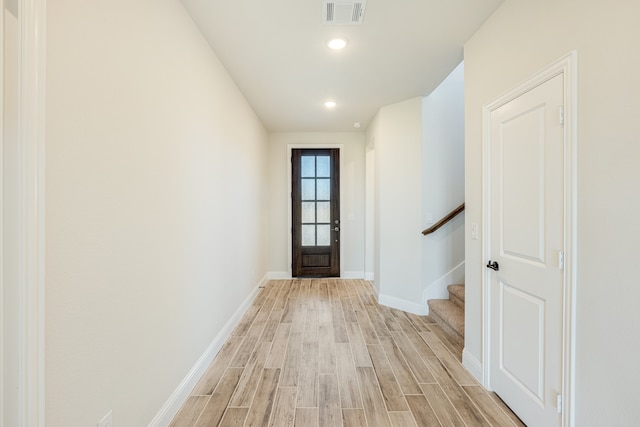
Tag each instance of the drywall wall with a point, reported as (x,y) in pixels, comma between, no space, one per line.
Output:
(369,219)
(397,132)
(520,39)
(352,198)
(155,189)
(372,239)
(443,185)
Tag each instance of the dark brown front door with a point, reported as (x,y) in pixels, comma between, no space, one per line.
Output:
(316,212)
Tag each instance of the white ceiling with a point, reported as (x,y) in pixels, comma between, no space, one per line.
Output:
(276,52)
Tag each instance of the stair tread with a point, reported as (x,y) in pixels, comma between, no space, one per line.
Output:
(457,291)
(449,312)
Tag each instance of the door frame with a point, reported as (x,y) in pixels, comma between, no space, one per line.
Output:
(290,148)
(566,66)
(30,177)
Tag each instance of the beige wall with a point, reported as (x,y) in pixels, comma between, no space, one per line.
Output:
(155,185)
(352,184)
(396,133)
(518,40)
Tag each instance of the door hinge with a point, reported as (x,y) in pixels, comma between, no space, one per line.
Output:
(561,260)
(559,403)
(561,114)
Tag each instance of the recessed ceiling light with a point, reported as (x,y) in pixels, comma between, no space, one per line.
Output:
(356,125)
(337,43)
(330,104)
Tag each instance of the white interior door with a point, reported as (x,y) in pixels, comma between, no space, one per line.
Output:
(526,152)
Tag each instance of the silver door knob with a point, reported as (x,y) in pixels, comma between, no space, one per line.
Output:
(336,229)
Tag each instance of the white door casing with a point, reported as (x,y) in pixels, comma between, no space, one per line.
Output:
(290,148)
(23,211)
(9,222)
(528,318)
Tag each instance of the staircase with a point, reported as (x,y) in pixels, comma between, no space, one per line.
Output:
(449,313)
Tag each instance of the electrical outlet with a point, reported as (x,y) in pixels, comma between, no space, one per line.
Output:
(107,420)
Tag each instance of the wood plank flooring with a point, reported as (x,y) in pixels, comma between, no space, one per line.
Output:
(322,352)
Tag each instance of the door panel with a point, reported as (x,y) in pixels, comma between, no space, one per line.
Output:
(316,208)
(527,235)
(522,360)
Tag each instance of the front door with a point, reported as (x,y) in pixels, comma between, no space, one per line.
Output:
(316,212)
(526,151)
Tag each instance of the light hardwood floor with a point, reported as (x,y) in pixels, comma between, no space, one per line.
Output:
(322,352)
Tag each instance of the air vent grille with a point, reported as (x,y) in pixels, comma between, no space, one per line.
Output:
(340,12)
(330,8)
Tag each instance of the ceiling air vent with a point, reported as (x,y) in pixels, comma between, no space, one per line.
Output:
(343,12)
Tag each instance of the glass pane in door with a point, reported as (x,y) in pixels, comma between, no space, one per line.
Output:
(316,193)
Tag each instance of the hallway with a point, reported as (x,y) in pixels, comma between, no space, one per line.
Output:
(322,352)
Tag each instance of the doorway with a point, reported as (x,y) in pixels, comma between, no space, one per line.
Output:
(529,228)
(315,202)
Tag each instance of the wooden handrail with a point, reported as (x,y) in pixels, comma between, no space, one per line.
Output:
(444,220)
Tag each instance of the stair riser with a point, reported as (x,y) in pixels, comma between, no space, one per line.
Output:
(453,334)
(456,291)
(447,313)
(457,301)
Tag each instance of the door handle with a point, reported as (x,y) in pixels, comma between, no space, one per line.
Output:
(493,265)
(336,228)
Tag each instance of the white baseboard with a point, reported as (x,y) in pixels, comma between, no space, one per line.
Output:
(473,365)
(369,276)
(353,274)
(376,289)
(278,275)
(438,289)
(171,407)
(263,281)
(404,305)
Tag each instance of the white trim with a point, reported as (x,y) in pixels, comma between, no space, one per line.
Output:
(404,305)
(291,147)
(473,365)
(369,276)
(3,397)
(438,289)
(571,237)
(30,213)
(352,275)
(278,275)
(376,289)
(567,67)
(263,282)
(171,407)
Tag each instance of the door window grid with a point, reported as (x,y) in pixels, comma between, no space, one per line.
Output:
(316,198)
